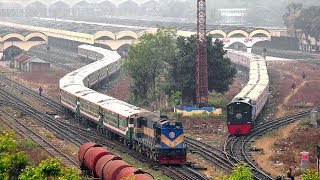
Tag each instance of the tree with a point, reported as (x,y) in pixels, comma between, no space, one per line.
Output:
(18,162)
(145,64)
(310,175)
(304,21)
(49,169)
(11,162)
(164,63)
(293,11)
(183,71)
(220,71)
(315,30)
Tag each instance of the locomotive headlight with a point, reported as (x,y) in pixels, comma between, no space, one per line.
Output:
(238,115)
(172,135)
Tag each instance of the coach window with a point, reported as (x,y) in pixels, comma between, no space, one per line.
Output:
(230,109)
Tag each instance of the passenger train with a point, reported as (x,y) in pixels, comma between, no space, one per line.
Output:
(244,108)
(88,52)
(146,132)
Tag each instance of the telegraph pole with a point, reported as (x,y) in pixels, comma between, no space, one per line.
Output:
(202,61)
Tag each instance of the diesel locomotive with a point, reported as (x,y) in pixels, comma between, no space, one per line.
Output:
(155,136)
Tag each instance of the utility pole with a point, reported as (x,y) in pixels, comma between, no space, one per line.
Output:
(202,61)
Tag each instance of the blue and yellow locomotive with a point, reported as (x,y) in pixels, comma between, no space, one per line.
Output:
(144,131)
(159,138)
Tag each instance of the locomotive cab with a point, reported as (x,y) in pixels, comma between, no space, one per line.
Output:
(239,116)
(172,149)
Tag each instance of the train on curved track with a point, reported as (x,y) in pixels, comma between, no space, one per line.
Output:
(155,136)
(244,108)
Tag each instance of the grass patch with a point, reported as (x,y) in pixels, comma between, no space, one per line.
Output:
(203,115)
(49,135)
(54,72)
(30,144)
(218,100)
(302,105)
(70,148)
(305,122)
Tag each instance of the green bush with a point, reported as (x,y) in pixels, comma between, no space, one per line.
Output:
(310,175)
(305,122)
(218,100)
(241,171)
(8,142)
(203,115)
(174,115)
(49,169)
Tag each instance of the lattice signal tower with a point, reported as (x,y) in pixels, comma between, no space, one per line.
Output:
(202,62)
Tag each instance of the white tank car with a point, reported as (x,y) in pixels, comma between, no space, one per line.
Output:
(246,105)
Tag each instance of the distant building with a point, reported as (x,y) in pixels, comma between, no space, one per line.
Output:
(234,16)
(27,63)
(107,7)
(11,9)
(19,59)
(85,9)
(128,8)
(36,9)
(150,8)
(35,64)
(59,10)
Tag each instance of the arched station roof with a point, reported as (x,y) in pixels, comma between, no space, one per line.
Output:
(108,34)
(240,32)
(7,33)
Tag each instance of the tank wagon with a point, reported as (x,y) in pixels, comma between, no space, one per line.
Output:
(244,108)
(103,164)
(155,136)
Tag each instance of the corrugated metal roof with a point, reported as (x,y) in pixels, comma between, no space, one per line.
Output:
(36,5)
(37,60)
(22,57)
(10,5)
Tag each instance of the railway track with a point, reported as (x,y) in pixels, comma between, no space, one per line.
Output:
(71,132)
(24,131)
(212,154)
(239,147)
(61,129)
(184,173)
(43,99)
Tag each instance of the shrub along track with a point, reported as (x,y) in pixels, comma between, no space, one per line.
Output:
(26,132)
(71,131)
(239,147)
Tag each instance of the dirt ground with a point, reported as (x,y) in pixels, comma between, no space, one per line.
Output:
(214,131)
(282,148)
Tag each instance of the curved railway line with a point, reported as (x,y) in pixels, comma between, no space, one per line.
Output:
(236,149)
(211,154)
(239,147)
(77,134)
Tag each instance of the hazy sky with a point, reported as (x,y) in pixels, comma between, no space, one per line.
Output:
(71,2)
(218,3)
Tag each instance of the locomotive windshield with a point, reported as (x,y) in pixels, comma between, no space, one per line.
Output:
(239,112)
